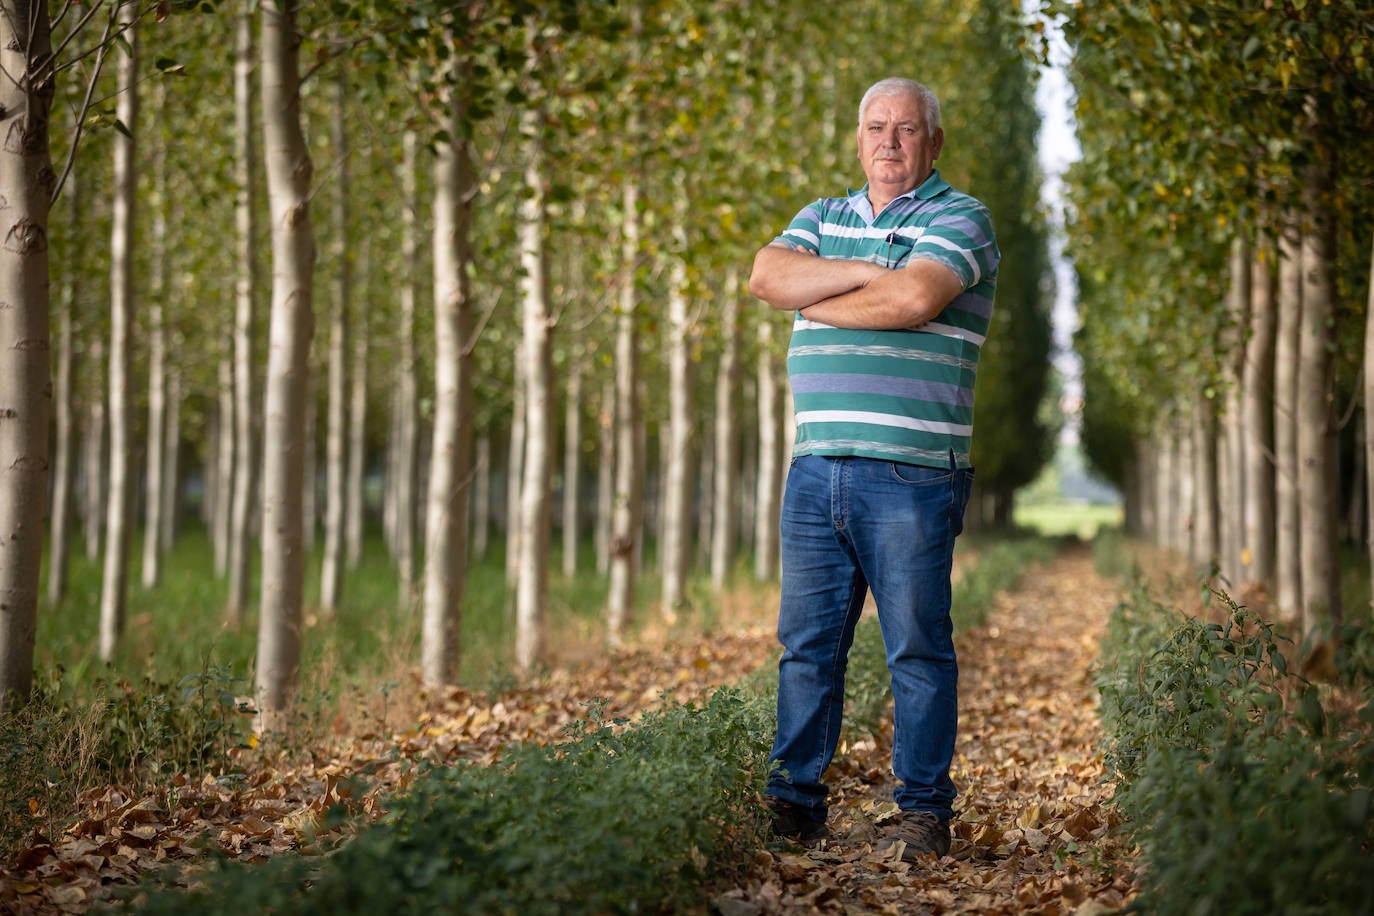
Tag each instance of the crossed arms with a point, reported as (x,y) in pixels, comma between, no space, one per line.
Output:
(853,294)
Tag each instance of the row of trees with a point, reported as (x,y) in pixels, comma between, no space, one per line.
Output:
(582,184)
(1223,212)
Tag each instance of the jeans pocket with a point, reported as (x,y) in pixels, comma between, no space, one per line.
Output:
(919,475)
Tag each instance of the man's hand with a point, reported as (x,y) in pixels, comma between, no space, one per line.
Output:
(790,279)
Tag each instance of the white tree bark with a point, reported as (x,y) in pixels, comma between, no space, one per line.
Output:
(406,465)
(26,187)
(155,468)
(114,582)
(171,447)
(93,458)
(1369,414)
(677,468)
(627,509)
(572,468)
(220,489)
(336,423)
(1257,549)
(1231,520)
(355,507)
(1287,505)
(451,456)
(1317,475)
(605,477)
(515,464)
(289,171)
(245,472)
(725,480)
(767,486)
(64,432)
(532,573)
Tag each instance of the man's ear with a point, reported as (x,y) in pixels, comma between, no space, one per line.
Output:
(939,142)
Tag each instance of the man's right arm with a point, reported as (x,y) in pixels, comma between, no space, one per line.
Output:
(793,278)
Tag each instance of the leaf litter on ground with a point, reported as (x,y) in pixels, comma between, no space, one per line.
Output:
(1033,832)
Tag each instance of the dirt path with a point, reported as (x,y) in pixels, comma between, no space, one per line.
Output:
(1032,834)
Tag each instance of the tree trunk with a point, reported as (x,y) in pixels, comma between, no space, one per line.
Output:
(605,477)
(93,459)
(1287,504)
(64,435)
(171,446)
(355,504)
(245,286)
(220,491)
(1369,414)
(26,186)
(155,469)
(481,497)
(336,423)
(767,487)
(628,507)
(532,575)
(677,468)
(451,457)
(726,477)
(1231,519)
(515,465)
(406,465)
(1166,488)
(1207,530)
(114,583)
(289,170)
(1257,550)
(572,468)
(1317,478)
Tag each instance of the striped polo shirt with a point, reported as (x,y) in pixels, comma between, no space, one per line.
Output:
(894,395)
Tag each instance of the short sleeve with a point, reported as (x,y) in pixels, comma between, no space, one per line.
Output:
(804,232)
(961,237)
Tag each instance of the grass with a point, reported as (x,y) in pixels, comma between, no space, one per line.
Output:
(179,627)
(1054,519)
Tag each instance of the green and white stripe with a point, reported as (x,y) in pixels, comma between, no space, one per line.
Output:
(895,395)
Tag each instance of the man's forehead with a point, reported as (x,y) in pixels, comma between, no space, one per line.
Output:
(893,107)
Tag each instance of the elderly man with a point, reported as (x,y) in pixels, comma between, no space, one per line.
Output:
(892,287)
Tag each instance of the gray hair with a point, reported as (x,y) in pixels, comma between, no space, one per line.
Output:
(896,85)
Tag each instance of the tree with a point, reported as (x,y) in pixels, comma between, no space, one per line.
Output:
(26,187)
(289,172)
(114,585)
(245,318)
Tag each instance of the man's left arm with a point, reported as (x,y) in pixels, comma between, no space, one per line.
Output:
(902,299)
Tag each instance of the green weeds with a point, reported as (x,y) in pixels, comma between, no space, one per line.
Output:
(1244,795)
(619,818)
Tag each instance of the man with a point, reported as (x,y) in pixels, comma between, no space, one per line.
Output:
(893,289)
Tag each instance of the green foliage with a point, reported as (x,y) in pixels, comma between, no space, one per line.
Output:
(57,747)
(183,728)
(619,818)
(1244,795)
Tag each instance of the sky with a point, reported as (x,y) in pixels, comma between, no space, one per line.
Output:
(1058,148)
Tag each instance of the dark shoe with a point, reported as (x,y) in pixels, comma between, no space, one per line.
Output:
(922,832)
(792,822)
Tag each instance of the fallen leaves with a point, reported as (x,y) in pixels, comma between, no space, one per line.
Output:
(1033,835)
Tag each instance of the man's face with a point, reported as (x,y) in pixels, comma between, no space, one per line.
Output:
(894,148)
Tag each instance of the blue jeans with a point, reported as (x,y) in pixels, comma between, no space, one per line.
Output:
(850,525)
